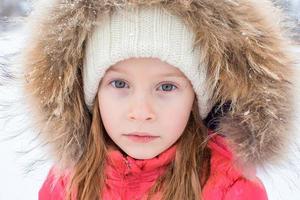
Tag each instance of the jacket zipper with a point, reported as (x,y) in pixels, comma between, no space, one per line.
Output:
(128,167)
(127,171)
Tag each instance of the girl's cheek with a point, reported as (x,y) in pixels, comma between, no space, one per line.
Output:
(112,99)
(115,93)
(169,98)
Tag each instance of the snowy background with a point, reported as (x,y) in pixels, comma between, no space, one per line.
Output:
(24,165)
(18,154)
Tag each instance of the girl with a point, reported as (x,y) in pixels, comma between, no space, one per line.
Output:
(159,99)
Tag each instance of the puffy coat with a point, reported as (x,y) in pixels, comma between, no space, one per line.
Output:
(129,179)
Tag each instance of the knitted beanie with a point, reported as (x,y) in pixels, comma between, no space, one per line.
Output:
(143,32)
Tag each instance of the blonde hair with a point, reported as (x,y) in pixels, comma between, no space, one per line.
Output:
(184,177)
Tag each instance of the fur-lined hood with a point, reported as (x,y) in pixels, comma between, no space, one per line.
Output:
(242,44)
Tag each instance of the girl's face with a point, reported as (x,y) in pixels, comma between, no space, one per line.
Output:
(145,105)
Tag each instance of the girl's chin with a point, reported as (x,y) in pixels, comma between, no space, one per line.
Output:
(142,154)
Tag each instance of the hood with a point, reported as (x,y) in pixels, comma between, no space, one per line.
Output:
(242,44)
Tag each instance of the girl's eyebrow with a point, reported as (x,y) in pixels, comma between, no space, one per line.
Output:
(115,70)
(170,74)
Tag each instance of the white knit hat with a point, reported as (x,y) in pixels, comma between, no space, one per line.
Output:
(143,32)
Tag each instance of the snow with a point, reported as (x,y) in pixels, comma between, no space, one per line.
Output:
(23,166)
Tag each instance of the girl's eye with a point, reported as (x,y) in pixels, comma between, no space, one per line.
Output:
(118,83)
(168,87)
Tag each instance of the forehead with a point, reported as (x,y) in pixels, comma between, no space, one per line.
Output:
(150,66)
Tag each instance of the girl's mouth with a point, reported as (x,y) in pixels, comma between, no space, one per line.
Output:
(141,138)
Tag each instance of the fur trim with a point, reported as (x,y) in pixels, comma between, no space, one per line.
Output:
(242,45)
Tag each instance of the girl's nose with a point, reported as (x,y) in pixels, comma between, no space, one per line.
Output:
(141,109)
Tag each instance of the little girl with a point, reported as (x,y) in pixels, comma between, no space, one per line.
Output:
(155,99)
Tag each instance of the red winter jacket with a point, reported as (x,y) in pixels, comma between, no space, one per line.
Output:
(129,179)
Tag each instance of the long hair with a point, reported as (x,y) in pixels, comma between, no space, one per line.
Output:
(184,177)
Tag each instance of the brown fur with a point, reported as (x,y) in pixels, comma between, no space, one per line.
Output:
(242,45)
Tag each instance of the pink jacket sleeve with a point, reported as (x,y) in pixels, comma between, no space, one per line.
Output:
(52,189)
(246,190)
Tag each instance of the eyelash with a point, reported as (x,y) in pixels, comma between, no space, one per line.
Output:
(164,83)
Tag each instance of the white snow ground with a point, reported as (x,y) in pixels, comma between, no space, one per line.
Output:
(16,182)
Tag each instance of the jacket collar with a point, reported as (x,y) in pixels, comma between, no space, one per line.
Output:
(121,166)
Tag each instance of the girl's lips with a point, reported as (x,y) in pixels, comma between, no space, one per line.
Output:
(141,139)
